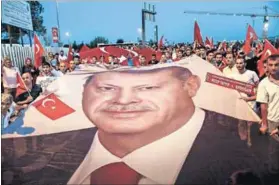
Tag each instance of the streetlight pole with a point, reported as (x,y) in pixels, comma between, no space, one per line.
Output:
(156,33)
(147,13)
(58,25)
(68,35)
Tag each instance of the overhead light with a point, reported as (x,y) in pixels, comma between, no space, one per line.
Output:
(266,26)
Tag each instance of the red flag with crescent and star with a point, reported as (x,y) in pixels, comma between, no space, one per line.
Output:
(161,42)
(20,87)
(269,49)
(208,43)
(84,48)
(250,36)
(197,34)
(70,54)
(52,107)
(39,51)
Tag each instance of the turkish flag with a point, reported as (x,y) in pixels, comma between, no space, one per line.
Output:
(52,107)
(84,48)
(269,49)
(247,46)
(208,43)
(223,45)
(70,54)
(160,44)
(136,61)
(197,34)
(250,36)
(39,51)
(20,87)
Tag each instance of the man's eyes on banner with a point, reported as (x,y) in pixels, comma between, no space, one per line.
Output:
(148,88)
(106,89)
(143,88)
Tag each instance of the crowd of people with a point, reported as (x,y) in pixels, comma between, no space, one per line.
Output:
(231,60)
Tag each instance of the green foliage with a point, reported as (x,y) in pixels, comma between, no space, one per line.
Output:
(75,46)
(120,41)
(37,20)
(98,40)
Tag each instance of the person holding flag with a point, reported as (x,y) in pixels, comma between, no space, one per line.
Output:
(26,91)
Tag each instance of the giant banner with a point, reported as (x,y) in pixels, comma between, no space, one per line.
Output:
(160,124)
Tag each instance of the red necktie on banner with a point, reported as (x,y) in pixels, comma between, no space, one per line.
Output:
(115,173)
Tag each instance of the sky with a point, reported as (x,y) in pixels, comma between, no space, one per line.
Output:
(86,20)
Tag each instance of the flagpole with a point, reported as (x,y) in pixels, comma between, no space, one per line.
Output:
(58,25)
(24,84)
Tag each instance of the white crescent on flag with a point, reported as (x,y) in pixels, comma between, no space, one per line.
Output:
(122,58)
(103,50)
(251,35)
(48,100)
(37,49)
(267,53)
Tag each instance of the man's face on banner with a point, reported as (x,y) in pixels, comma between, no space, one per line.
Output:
(133,102)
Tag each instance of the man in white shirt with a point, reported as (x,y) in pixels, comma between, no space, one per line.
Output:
(62,57)
(252,78)
(46,77)
(230,69)
(268,95)
(246,76)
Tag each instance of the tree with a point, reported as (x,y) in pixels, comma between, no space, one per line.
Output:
(75,46)
(151,42)
(98,40)
(37,21)
(119,41)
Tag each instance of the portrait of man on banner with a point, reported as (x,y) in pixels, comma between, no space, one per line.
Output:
(146,128)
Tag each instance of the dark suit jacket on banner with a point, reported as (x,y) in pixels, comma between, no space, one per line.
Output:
(216,154)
